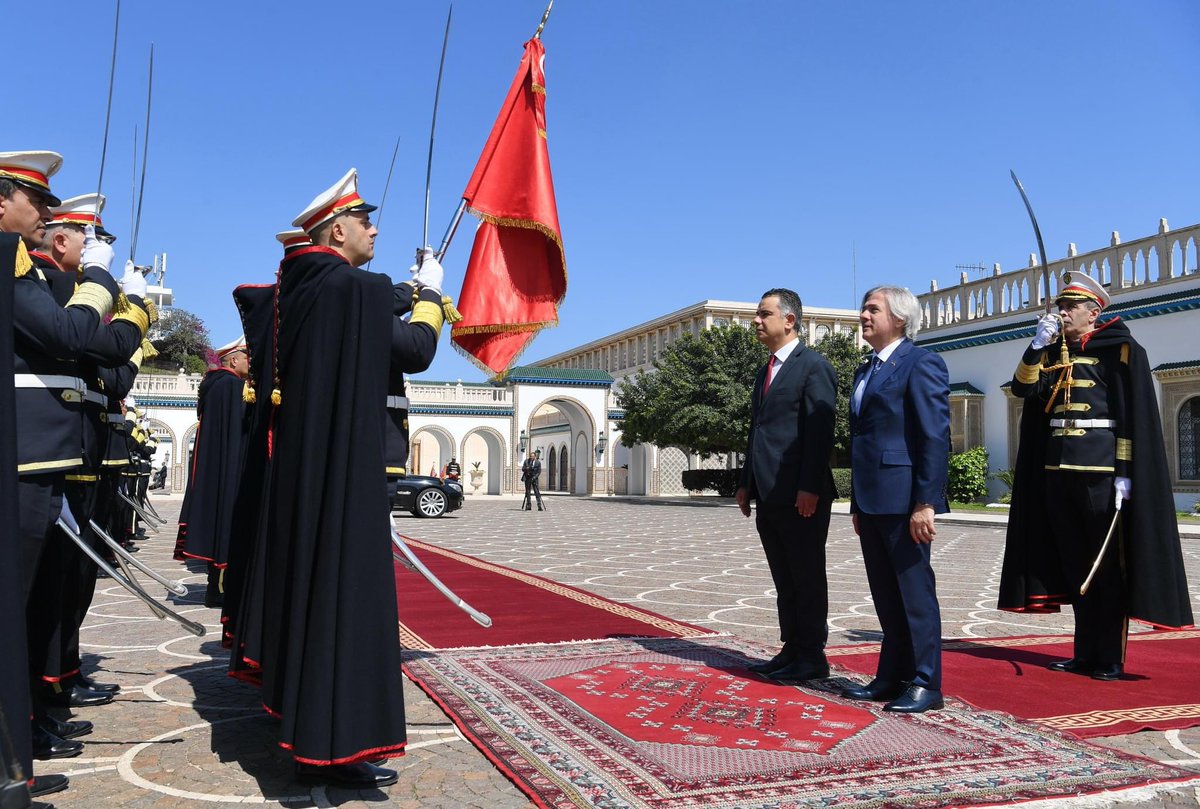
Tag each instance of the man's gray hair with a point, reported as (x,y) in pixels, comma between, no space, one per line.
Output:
(903,305)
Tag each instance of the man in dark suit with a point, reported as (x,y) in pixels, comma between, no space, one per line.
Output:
(900,447)
(787,473)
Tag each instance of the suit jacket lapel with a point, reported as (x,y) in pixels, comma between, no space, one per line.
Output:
(889,367)
(788,364)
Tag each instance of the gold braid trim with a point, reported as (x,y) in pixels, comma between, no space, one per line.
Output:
(449,310)
(248,394)
(528,224)
(428,313)
(1124,449)
(132,314)
(121,305)
(506,328)
(24,262)
(537,88)
(138,358)
(151,310)
(1028,374)
(148,349)
(93,296)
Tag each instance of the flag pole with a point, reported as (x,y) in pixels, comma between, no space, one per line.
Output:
(538,33)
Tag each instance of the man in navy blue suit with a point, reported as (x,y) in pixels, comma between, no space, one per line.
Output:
(900,447)
(793,408)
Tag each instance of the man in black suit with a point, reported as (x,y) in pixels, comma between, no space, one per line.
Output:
(900,447)
(787,473)
(531,473)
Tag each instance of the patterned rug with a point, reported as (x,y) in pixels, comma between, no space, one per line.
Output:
(667,723)
(1159,690)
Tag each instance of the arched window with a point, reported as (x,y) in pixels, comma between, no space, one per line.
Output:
(550,471)
(562,470)
(1189,439)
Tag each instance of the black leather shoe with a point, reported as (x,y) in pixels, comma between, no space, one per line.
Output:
(48,785)
(65,730)
(916,699)
(350,776)
(801,670)
(1072,666)
(777,662)
(877,691)
(77,698)
(46,745)
(1113,671)
(92,685)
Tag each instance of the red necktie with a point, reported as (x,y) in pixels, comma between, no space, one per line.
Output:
(770,374)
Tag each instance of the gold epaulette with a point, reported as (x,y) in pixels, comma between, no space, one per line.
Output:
(93,296)
(151,310)
(149,352)
(24,262)
(429,313)
(132,314)
(448,309)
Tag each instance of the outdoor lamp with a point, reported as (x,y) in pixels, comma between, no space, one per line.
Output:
(601,443)
(522,441)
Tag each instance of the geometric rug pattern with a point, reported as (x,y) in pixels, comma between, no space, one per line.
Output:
(1159,690)
(669,723)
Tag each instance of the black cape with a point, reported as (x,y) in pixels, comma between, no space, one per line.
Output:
(322,632)
(1032,579)
(206,516)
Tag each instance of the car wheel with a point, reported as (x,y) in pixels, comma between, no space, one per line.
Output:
(430,503)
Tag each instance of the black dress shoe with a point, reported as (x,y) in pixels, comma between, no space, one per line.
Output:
(1073,666)
(777,662)
(916,699)
(1112,671)
(65,730)
(46,745)
(352,776)
(48,785)
(877,691)
(77,698)
(92,685)
(801,670)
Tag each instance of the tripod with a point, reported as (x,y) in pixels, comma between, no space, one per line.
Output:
(532,490)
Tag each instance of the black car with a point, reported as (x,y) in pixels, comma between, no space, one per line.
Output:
(427,496)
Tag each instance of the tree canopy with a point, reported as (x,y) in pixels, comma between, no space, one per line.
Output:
(845,357)
(698,397)
(183,342)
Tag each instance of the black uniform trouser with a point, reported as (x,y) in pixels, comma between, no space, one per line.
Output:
(78,586)
(40,502)
(1079,508)
(795,551)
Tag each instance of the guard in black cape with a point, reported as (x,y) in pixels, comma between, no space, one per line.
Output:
(318,626)
(1091,445)
(206,517)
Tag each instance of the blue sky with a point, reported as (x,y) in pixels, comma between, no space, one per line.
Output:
(700,149)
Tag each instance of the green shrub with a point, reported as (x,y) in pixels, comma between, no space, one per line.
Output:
(725,481)
(968,475)
(841,482)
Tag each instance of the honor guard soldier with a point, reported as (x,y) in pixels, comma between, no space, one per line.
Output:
(49,339)
(1091,465)
(103,367)
(302,625)
(206,517)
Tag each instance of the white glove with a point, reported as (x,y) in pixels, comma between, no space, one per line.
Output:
(95,252)
(1047,331)
(430,273)
(1122,490)
(133,282)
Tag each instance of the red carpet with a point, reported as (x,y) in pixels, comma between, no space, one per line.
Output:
(524,608)
(678,723)
(1160,690)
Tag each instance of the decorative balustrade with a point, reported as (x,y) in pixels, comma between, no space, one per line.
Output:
(1153,260)
(180,384)
(448,393)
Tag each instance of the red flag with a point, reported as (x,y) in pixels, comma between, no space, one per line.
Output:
(517,274)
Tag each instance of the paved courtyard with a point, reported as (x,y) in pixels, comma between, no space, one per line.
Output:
(694,560)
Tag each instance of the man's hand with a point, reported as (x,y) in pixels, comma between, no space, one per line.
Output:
(920,525)
(806,503)
(430,274)
(743,500)
(1122,490)
(854,522)
(1047,331)
(95,252)
(133,282)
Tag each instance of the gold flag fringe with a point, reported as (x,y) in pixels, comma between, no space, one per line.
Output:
(528,224)
(504,328)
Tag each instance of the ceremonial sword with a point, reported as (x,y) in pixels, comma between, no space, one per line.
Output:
(1100,556)
(112,72)
(178,588)
(437,94)
(151,523)
(1041,247)
(137,222)
(411,561)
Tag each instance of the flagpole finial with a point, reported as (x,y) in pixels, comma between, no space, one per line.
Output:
(538,33)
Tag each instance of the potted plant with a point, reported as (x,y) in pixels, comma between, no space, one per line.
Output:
(476,477)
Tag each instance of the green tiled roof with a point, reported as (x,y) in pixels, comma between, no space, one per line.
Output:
(962,388)
(1174,366)
(535,374)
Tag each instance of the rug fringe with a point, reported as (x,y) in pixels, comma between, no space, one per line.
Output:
(1099,800)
